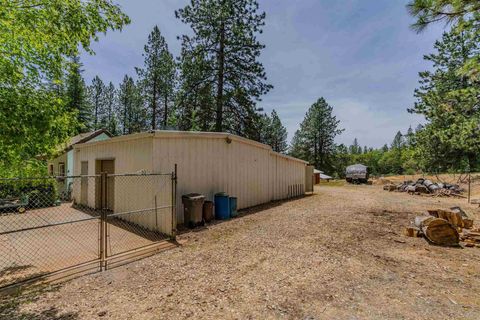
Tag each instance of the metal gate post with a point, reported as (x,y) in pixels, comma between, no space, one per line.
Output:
(103,223)
(174,203)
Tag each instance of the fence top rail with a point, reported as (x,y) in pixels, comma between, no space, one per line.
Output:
(138,174)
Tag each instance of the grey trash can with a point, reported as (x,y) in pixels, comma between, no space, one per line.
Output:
(192,209)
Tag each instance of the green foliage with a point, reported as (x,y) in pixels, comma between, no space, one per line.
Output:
(157,78)
(76,97)
(449,102)
(463,15)
(132,114)
(40,192)
(36,40)
(315,140)
(109,118)
(222,78)
(97,102)
(272,132)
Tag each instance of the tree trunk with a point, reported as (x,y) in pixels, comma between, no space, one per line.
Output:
(437,231)
(154,105)
(165,116)
(220,76)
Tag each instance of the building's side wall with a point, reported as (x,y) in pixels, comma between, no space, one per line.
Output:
(253,174)
(289,177)
(205,165)
(130,156)
(56,161)
(62,184)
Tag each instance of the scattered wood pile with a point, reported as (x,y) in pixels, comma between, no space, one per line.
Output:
(446,228)
(425,186)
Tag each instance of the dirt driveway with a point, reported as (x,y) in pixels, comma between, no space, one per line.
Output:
(338,254)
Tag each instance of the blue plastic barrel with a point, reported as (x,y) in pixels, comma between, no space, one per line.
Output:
(222,206)
(233,207)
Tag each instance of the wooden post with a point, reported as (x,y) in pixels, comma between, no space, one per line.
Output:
(469,185)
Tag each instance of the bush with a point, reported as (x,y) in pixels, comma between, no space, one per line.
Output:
(40,192)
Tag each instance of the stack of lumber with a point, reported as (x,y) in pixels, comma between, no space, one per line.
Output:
(425,186)
(445,228)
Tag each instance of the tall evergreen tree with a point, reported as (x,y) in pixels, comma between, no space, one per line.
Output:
(277,134)
(131,112)
(315,140)
(76,97)
(109,118)
(463,15)
(398,141)
(449,101)
(157,78)
(97,101)
(355,147)
(224,44)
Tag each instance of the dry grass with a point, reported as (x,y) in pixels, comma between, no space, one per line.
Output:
(338,254)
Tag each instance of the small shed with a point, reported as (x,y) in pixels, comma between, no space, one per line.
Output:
(207,163)
(316,174)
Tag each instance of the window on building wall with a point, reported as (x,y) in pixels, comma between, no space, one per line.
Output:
(50,170)
(61,169)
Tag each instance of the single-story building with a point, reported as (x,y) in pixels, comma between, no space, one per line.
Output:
(207,163)
(63,163)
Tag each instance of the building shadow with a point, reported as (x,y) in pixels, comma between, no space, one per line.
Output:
(182,229)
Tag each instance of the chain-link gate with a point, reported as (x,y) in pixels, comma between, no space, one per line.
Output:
(59,225)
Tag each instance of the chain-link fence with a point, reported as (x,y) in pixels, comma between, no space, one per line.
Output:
(57,224)
(140,211)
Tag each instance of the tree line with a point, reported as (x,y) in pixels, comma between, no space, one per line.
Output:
(214,85)
(447,97)
(159,99)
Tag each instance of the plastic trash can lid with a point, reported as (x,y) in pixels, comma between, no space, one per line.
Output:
(193,196)
(221,194)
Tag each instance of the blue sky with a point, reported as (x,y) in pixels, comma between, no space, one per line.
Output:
(360,55)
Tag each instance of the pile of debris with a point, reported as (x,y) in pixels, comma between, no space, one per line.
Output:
(425,186)
(446,228)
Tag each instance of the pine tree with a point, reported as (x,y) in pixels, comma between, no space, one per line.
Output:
(157,78)
(409,137)
(76,98)
(315,140)
(278,134)
(398,141)
(195,98)
(449,102)
(96,95)
(109,119)
(355,147)
(226,51)
(131,111)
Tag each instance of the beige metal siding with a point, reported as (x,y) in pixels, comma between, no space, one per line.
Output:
(130,156)
(207,163)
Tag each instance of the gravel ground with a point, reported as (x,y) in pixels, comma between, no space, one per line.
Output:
(338,254)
